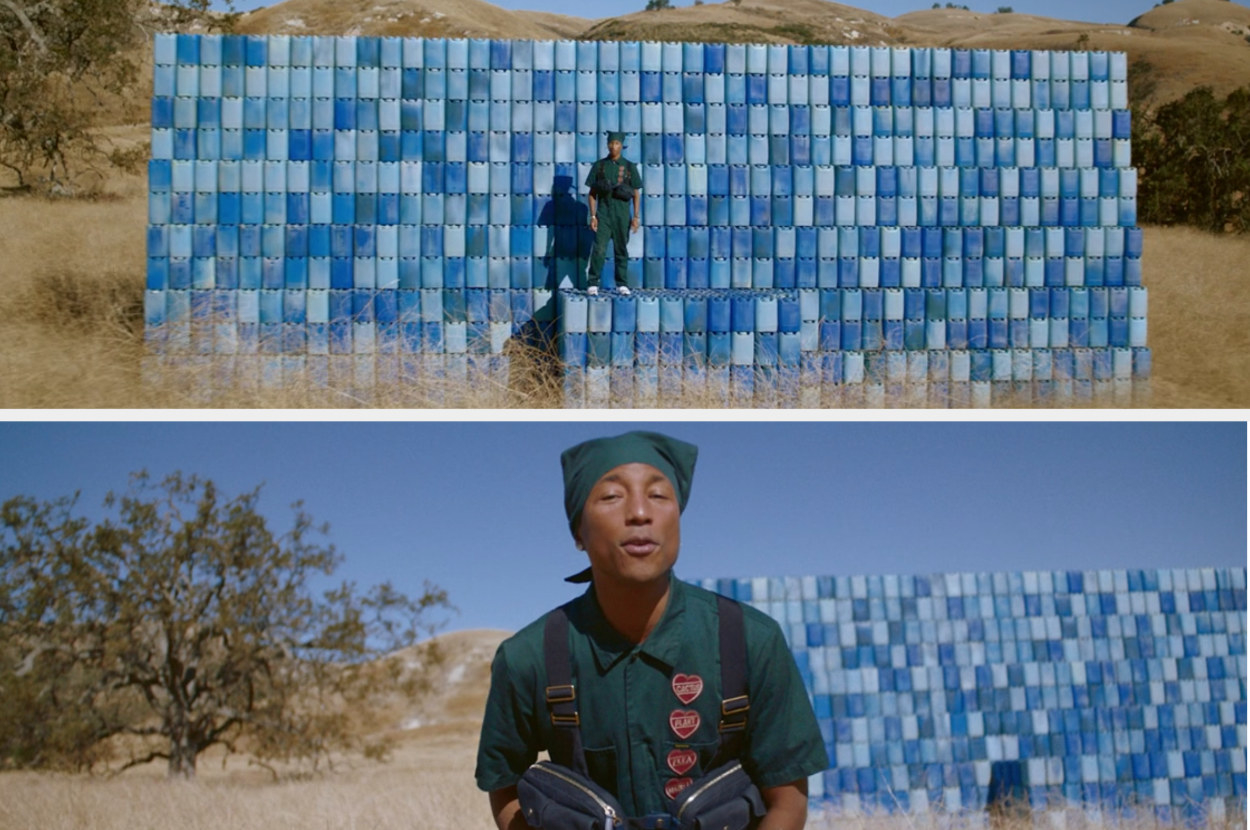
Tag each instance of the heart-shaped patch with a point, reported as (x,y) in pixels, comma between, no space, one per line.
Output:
(681,761)
(687,687)
(685,722)
(675,786)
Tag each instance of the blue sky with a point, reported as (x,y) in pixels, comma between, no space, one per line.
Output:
(477,507)
(1105,11)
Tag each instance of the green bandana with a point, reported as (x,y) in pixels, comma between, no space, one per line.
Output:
(589,461)
(615,136)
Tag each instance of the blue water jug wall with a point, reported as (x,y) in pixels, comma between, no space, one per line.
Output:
(1112,688)
(961,222)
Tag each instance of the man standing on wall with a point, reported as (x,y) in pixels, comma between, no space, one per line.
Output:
(614,182)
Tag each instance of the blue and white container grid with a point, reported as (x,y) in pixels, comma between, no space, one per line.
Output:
(961,220)
(1117,689)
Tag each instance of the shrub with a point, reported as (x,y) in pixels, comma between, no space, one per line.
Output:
(1194,157)
(57,57)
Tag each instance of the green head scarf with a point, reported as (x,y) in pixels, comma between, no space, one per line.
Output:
(616,136)
(589,461)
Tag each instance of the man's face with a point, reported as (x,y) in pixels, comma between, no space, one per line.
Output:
(631,525)
(614,148)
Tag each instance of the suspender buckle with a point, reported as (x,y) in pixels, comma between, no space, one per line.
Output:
(565,720)
(561,694)
(734,713)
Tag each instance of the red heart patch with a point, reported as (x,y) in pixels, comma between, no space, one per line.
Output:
(675,786)
(682,761)
(685,722)
(687,687)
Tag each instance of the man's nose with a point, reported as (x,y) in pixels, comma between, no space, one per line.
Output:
(637,508)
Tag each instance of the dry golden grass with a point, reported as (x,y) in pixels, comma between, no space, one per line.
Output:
(427,785)
(71,280)
(427,782)
(753,21)
(1199,317)
(1188,13)
(411,18)
(71,293)
(458,683)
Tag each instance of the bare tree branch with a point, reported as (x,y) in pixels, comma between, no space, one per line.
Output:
(35,35)
(138,762)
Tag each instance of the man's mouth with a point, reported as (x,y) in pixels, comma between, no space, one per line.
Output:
(639,546)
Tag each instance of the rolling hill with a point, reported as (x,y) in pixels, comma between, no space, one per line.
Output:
(411,18)
(459,683)
(1182,45)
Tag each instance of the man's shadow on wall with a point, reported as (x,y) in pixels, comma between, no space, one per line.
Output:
(569,240)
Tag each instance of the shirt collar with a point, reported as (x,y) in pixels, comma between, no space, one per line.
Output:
(662,644)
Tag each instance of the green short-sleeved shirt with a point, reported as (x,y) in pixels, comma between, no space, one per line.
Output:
(631,710)
(622,170)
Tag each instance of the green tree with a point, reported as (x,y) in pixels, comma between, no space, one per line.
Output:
(182,619)
(49,718)
(59,60)
(1194,156)
(656,5)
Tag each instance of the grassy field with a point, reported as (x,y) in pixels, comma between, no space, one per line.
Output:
(71,318)
(427,786)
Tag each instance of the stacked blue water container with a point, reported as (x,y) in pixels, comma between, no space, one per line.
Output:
(816,219)
(1122,688)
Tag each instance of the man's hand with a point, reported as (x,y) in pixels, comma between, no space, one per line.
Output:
(594,223)
(787,806)
(506,809)
(633,225)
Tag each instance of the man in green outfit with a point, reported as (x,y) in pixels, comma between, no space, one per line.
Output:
(646,658)
(614,182)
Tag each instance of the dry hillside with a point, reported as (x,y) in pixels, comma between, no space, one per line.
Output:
(1187,43)
(1183,45)
(460,682)
(753,21)
(428,18)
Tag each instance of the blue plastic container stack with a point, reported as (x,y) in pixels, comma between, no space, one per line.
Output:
(959,223)
(1113,688)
